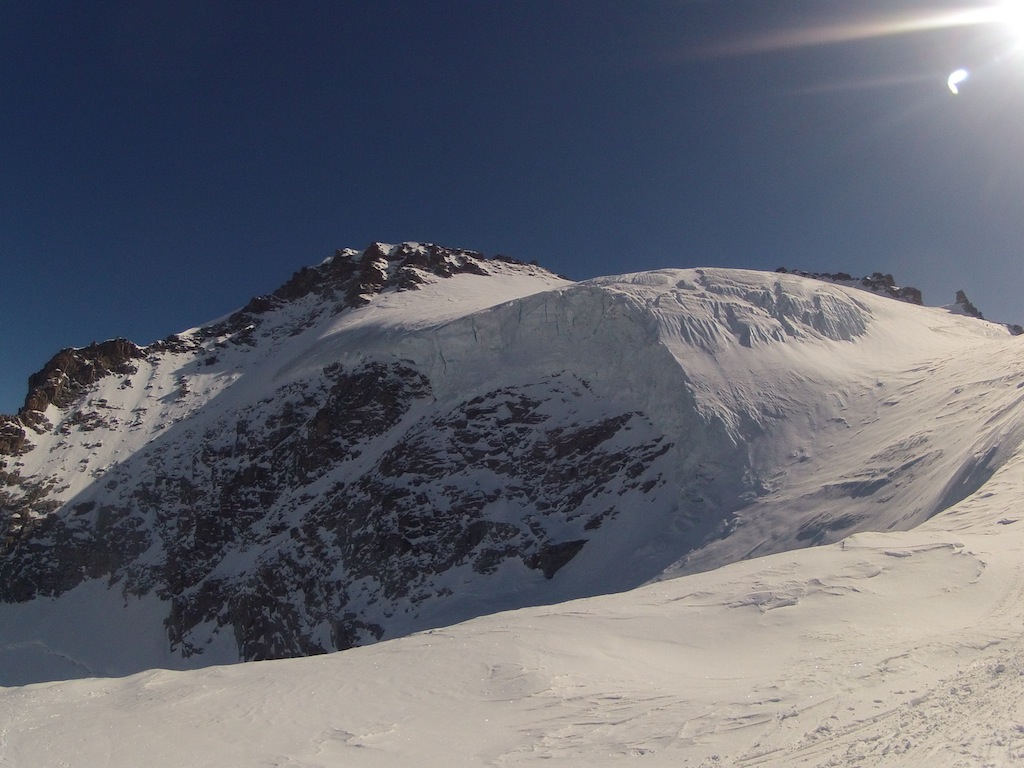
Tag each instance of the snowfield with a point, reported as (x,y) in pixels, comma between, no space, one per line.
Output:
(898,649)
(855,597)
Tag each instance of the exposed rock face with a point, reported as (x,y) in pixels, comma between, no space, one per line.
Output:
(357,276)
(262,488)
(70,371)
(876,282)
(12,436)
(967,307)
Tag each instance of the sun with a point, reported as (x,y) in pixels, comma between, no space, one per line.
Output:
(1010,15)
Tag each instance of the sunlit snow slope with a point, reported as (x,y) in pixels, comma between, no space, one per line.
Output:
(886,649)
(317,473)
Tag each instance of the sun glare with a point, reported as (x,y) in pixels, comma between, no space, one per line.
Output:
(1007,15)
(1012,16)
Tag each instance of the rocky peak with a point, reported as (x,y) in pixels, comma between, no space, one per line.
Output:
(355,277)
(348,279)
(70,371)
(964,305)
(406,266)
(351,278)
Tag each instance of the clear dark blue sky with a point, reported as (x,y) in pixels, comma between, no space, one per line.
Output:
(164,161)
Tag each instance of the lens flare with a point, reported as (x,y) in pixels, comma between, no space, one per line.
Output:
(1008,15)
(956,79)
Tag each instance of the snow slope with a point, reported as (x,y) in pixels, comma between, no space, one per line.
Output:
(887,649)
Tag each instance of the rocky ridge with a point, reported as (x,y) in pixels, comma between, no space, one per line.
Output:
(348,279)
(879,283)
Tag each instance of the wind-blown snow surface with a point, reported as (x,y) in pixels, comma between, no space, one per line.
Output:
(897,649)
(798,412)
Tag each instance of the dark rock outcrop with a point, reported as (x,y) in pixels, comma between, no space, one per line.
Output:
(71,372)
(966,306)
(876,282)
(13,439)
(68,372)
(350,279)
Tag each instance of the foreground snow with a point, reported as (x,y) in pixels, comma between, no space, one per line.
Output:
(899,649)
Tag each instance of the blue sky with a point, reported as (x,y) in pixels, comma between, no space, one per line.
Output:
(164,161)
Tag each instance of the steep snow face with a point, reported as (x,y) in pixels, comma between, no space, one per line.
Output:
(784,398)
(836,399)
(408,437)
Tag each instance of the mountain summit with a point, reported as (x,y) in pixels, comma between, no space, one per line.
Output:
(409,436)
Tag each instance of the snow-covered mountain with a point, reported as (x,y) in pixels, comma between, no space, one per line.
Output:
(411,436)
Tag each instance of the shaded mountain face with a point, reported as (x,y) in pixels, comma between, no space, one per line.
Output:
(408,436)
